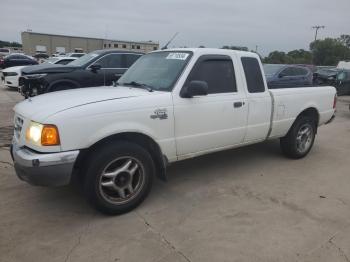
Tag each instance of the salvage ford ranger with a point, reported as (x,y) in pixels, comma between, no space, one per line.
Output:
(169,106)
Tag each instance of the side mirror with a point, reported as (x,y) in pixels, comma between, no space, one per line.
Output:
(194,88)
(95,67)
(281,75)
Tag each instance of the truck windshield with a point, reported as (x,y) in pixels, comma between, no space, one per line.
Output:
(159,70)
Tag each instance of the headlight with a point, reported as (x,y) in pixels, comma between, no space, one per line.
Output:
(42,135)
(34,76)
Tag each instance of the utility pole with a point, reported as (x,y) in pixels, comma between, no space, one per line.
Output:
(256,49)
(317,27)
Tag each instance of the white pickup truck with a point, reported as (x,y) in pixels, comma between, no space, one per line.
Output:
(169,106)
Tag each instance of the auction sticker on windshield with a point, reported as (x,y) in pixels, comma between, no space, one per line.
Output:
(179,56)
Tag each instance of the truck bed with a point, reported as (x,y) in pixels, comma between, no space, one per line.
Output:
(288,102)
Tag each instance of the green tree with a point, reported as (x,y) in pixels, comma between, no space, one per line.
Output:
(329,51)
(345,40)
(277,57)
(300,56)
(9,44)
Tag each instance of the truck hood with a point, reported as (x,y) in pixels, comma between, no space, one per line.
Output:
(40,107)
(48,68)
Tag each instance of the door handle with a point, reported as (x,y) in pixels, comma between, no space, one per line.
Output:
(238,104)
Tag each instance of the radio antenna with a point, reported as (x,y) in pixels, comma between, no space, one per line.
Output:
(166,46)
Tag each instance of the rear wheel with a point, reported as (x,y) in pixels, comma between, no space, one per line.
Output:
(300,138)
(119,177)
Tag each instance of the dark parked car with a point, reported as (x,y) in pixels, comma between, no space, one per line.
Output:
(41,56)
(98,68)
(16,60)
(339,78)
(285,76)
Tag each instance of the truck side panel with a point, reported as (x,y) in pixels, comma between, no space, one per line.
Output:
(290,102)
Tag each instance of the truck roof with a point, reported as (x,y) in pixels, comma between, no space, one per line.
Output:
(211,51)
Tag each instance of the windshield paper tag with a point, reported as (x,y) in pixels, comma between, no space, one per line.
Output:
(179,56)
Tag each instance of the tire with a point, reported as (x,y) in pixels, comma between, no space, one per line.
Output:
(303,131)
(119,177)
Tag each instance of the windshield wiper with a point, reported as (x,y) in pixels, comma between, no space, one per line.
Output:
(138,85)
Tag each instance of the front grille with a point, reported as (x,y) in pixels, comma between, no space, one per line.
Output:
(18,126)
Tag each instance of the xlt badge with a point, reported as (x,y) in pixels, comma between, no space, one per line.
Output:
(160,113)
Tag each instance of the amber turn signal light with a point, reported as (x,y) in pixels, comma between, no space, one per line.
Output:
(50,136)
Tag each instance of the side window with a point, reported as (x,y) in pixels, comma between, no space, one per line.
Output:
(130,59)
(289,71)
(115,61)
(341,76)
(217,71)
(253,76)
(301,71)
(111,61)
(64,61)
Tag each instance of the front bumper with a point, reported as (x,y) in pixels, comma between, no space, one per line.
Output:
(48,169)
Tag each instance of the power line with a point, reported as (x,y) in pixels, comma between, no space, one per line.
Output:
(317,27)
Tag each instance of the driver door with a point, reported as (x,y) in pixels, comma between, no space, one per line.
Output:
(213,121)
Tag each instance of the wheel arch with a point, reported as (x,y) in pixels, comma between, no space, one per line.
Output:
(310,112)
(62,81)
(160,160)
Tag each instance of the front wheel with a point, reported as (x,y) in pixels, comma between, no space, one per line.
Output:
(300,138)
(119,177)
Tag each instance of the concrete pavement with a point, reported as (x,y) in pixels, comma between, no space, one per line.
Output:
(247,204)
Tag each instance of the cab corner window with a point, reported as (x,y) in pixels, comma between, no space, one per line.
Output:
(252,71)
(217,72)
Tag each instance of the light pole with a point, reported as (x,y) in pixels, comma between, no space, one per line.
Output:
(317,27)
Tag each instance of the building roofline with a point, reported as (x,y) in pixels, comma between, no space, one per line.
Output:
(94,38)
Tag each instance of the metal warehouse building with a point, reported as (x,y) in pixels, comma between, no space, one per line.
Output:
(34,43)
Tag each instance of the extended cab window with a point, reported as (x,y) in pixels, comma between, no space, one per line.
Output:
(252,71)
(217,72)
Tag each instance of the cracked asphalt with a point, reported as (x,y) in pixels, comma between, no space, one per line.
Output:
(247,204)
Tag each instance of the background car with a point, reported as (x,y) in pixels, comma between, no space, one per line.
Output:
(4,52)
(75,54)
(41,57)
(60,60)
(17,60)
(339,78)
(286,76)
(98,68)
(11,76)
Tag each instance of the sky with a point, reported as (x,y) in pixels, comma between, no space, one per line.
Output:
(269,24)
